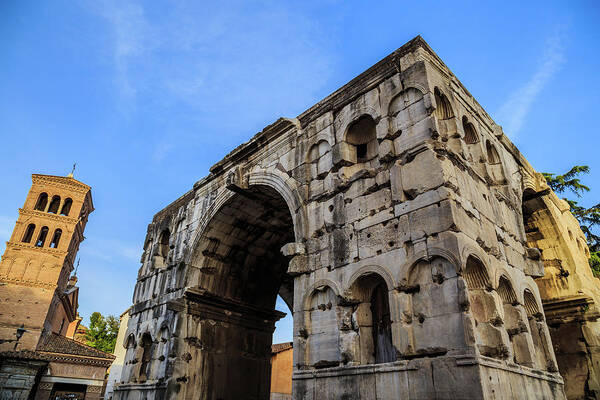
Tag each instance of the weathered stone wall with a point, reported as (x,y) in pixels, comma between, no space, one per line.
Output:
(120,351)
(398,204)
(18,377)
(569,291)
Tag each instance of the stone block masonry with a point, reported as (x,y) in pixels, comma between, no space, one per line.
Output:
(394,217)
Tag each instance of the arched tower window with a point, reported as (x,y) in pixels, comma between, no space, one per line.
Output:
(42,237)
(28,233)
(53,208)
(66,208)
(443,108)
(363,136)
(42,202)
(163,249)
(56,238)
(470,132)
(146,344)
(492,153)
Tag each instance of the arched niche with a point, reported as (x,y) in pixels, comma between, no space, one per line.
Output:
(491,336)
(162,248)
(162,363)
(367,321)
(362,137)
(445,117)
(544,354)
(431,298)
(494,163)
(322,330)
(319,159)
(406,108)
(471,135)
(443,109)
(514,322)
(473,146)
(146,350)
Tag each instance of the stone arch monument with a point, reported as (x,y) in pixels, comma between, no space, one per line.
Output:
(399,245)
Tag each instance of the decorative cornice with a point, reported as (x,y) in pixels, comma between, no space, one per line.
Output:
(57,357)
(22,355)
(276,129)
(54,217)
(202,303)
(28,283)
(29,246)
(569,309)
(47,386)
(61,181)
(73,359)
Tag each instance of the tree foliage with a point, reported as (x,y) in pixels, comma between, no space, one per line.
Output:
(102,332)
(568,181)
(589,218)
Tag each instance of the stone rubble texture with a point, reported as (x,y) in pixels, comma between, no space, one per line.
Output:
(399,180)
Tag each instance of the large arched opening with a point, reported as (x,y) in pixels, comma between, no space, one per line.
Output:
(239,271)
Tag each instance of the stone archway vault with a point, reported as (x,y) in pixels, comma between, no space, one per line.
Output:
(230,316)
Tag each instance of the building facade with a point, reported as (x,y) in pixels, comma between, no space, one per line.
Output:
(40,298)
(282,367)
(114,375)
(396,220)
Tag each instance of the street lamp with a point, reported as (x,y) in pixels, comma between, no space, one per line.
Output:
(20,331)
(19,334)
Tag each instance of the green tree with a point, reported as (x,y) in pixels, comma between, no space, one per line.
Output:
(589,218)
(102,332)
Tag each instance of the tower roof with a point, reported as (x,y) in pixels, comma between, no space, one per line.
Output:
(68,180)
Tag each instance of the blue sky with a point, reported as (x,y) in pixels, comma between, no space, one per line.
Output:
(146,96)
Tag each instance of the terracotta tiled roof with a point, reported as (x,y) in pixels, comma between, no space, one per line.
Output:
(58,344)
(279,347)
(22,354)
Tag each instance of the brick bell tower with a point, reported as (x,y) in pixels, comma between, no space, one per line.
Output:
(37,296)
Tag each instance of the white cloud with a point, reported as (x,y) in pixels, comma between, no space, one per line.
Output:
(161,150)
(198,61)
(112,251)
(513,113)
(130,35)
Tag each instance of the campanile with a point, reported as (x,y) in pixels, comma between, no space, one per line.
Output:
(38,260)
